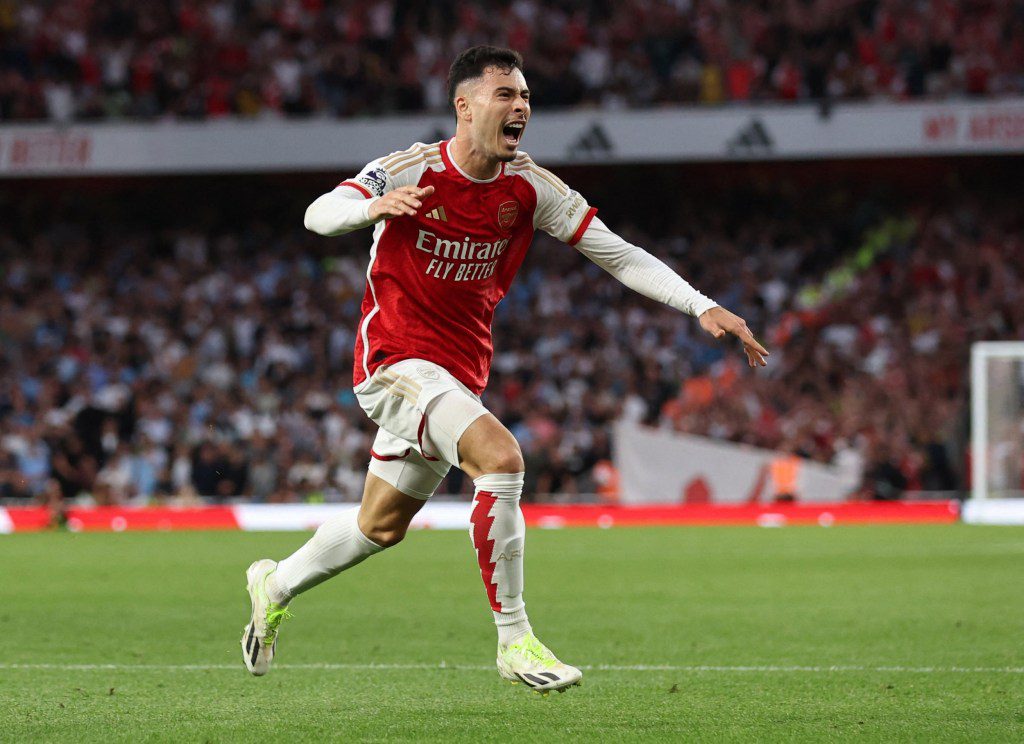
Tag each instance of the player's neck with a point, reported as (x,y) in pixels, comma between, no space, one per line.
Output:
(472,162)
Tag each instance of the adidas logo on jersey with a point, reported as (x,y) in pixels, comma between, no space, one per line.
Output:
(437,213)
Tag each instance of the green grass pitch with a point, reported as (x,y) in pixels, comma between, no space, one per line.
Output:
(717,634)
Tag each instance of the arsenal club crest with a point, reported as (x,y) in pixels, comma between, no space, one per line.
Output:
(507,213)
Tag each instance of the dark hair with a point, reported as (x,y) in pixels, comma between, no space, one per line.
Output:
(472,63)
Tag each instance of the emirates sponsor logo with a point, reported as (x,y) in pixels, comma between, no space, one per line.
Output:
(460,250)
(460,260)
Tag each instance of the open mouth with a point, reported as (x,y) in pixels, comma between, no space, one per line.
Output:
(513,132)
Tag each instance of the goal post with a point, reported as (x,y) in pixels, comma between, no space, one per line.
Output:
(997,421)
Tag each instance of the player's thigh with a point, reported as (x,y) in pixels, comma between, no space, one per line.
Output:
(488,447)
(460,430)
(401,464)
(385,512)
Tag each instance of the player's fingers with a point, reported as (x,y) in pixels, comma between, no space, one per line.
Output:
(416,190)
(755,358)
(404,204)
(398,209)
(714,329)
(748,339)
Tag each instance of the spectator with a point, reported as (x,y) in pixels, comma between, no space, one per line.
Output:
(209,59)
(215,360)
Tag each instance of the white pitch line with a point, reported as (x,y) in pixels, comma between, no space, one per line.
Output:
(696,668)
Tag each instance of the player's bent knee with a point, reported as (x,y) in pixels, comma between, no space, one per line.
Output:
(386,531)
(488,447)
(507,460)
(386,537)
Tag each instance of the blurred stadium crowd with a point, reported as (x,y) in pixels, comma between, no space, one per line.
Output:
(215,359)
(108,59)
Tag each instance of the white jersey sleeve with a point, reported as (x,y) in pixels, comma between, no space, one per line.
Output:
(640,271)
(565,214)
(347,207)
(561,211)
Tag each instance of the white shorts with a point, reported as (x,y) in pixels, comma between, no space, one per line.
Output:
(422,412)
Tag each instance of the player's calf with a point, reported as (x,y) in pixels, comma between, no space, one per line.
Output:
(338,544)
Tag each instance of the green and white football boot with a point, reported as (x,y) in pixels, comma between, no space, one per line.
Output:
(531,662)
(259,638)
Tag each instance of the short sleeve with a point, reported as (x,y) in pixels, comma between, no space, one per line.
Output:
(372,181)
(561,212)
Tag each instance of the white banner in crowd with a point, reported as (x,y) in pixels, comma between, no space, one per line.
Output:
(662,467)
(664,135)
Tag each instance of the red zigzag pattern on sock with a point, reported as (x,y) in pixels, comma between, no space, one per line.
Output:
(482,522)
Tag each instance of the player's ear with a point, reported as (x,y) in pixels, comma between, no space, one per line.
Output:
(462,112)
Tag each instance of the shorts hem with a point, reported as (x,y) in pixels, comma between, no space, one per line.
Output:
(457,434)
(392,472)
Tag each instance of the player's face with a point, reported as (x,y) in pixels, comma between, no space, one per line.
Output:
(500,107)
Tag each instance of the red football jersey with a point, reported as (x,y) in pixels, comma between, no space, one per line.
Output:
(434,280)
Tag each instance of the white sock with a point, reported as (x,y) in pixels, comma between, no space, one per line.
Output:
(337,545)
(498,531)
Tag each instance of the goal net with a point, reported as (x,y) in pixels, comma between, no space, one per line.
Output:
(997,420)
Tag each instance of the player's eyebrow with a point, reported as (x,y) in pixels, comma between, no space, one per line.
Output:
(510,89)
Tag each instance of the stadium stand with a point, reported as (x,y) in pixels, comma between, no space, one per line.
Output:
(109,59)
(207,349)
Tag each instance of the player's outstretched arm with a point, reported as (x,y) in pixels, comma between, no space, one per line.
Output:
(646,274)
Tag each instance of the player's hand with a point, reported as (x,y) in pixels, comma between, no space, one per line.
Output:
(718,321)
(404,200)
